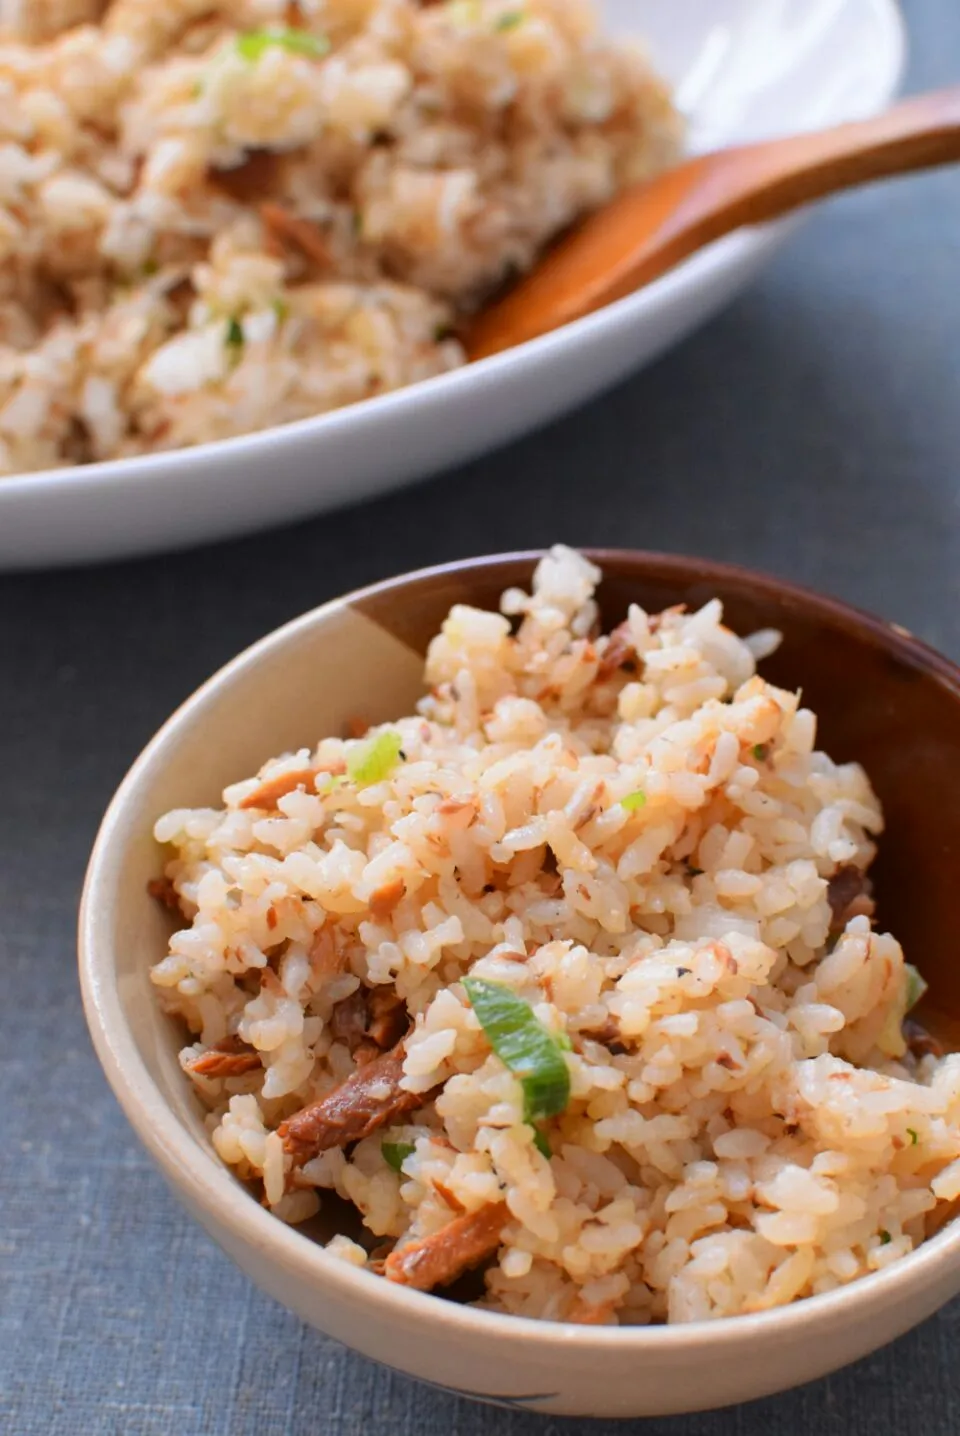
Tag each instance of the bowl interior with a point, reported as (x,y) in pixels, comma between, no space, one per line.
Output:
(883,699)
(749,69)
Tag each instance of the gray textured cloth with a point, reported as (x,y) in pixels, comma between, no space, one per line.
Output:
(813,430)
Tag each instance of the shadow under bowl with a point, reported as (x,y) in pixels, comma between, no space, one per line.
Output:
(883,698)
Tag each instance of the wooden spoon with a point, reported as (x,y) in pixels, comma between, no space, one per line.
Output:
(651,227)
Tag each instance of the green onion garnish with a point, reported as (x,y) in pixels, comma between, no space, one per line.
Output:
(890,1040)
(541,1143)
(914,1136)
(396,1153)
(885,1237)
(234,335)
(633,801)
(255,43)
(760,751)
(373,761)
(510,20)
(327,783)
(916,986)
(523,1045)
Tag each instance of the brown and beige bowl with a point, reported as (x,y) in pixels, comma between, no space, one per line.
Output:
(884,699)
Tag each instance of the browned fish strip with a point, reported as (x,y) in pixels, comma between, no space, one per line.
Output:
(618,652)
(163,890)
(327,956)
(439,1259)
(921,1042)
(366,1052)
(939,1217)
(229,1058)
(348,1020)
(388,1017)
(370,1019)
(849,895)
(260,174)
(368,1098)
(270,792)
(385,899)
(451,1198)
(586,1313)
(301,232)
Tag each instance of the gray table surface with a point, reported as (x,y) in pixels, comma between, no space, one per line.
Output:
(813,430)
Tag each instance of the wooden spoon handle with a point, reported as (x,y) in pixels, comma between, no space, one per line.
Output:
(651,227)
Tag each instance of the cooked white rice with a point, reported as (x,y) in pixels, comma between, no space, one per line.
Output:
(746,1125)
(217,218)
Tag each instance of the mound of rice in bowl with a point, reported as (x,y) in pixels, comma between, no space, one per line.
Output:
(215,218)
(569,977)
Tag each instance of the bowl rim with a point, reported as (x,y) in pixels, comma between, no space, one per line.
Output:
(715,260)
(211,1184)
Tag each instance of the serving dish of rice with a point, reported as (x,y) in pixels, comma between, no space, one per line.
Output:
(219,218)
(568,978)
(738,71)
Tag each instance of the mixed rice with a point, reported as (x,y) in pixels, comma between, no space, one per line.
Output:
(569,976)
(215,218)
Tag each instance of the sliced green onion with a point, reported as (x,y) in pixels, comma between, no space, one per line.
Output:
(541,1143)
(374,760)
(510,20)
(890,1040)
(396,1153)
(914,1136)
(885,1237)
(253,44)
(760,751)
(916,986)
(234,335)
(328,782)
(633,801)
(523,1045)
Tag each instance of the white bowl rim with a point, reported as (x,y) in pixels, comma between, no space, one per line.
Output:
(716,259)
(217,1191)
